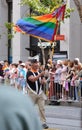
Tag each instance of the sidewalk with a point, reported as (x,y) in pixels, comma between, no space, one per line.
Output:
(65,103)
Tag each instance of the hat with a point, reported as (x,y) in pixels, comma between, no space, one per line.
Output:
(2,62)
(34,61)
(59,62)
(77,59)
(22,64)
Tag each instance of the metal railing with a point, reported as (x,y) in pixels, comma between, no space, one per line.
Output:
(68,90)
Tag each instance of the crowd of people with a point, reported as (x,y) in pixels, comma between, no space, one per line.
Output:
(66,80)
(62,78)
(58,80)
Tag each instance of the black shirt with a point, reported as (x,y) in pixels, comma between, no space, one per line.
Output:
(32,85)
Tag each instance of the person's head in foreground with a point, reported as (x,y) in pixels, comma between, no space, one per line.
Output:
(17,111)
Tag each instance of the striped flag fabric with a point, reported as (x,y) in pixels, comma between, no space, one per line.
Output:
(43,27)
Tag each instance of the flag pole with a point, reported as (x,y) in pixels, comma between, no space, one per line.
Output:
(42,49)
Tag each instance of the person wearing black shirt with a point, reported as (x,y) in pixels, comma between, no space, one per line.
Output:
(34,83)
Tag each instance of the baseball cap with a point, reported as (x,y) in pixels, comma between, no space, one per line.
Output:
(59,62)
(22,64)
(77,59)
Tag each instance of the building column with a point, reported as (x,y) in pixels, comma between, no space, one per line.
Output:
(74,44)
(3,30)
(81,37)
(72,29)
(20,41)
(65,30)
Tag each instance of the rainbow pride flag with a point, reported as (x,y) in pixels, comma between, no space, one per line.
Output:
(43,27)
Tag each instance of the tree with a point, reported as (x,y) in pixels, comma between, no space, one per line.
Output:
(45,6)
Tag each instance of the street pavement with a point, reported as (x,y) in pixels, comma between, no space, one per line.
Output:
(64,117)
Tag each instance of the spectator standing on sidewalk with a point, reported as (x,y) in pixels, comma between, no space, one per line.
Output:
(35,82)
(80,76)
(57,80)
(22,78)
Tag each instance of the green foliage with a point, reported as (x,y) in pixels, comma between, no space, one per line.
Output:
(41,6)
(68,11)
(44,6)
(35,5)
(9,27)
(10,36)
